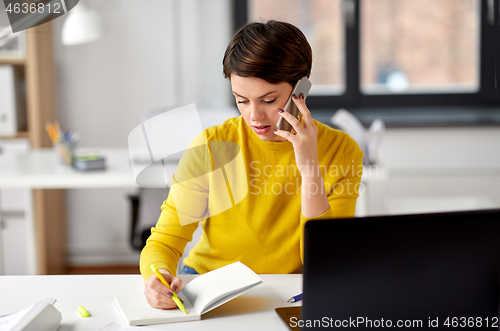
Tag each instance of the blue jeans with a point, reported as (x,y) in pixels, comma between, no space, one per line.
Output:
(188,271)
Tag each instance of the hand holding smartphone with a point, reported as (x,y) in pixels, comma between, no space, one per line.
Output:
(302,87)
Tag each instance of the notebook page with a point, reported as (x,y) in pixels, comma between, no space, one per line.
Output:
(135,310)
(222,299)
(208,288)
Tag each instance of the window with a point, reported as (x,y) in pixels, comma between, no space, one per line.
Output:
(395,55)
(321,22)
(408,47)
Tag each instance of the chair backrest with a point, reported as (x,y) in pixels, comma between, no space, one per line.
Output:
(146,206)
(146,209)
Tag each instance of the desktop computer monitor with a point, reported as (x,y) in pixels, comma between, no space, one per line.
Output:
(431,271)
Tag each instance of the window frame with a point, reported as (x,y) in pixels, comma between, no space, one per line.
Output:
(487,98)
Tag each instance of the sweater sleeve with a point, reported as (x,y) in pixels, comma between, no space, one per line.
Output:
(185,206)
(343,194)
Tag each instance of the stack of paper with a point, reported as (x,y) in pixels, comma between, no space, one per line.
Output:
(42,316)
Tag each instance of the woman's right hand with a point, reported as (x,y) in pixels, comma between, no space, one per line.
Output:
(159,295)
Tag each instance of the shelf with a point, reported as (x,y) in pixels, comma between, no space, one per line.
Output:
(19,135)
(12,60)
(12,214)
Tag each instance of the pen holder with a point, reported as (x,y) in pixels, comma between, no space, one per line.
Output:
(64,152)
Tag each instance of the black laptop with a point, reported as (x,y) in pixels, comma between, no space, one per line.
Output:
(416,272)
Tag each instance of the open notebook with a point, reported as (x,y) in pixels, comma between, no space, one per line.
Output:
(200,295)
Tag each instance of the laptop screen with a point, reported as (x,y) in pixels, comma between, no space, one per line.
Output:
(429,271)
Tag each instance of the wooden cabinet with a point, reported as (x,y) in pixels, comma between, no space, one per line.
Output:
(37,67)
(48,205)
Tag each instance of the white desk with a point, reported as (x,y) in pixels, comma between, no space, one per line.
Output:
(39,169)
(254,310)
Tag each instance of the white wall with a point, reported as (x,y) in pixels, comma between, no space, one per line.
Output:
(464,150)
(437,169)
(156,53)
(104,86)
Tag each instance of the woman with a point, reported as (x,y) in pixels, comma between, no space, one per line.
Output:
(310,173)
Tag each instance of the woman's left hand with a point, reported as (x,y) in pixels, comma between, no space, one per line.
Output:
(305,141)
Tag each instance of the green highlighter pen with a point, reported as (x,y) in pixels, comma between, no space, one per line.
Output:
(174,296)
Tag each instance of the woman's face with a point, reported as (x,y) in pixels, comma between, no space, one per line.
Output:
(258,102)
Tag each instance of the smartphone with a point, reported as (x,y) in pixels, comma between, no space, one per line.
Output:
(303,86)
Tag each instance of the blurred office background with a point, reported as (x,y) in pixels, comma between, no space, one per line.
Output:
(425,67)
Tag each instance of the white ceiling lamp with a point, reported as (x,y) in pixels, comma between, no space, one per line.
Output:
(82,25)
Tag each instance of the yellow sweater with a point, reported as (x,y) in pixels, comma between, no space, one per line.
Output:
(263,229)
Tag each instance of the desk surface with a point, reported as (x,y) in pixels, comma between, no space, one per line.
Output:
(39,169)
(254,310)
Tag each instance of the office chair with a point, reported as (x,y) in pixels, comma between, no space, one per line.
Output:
(145,211)
(145,206)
